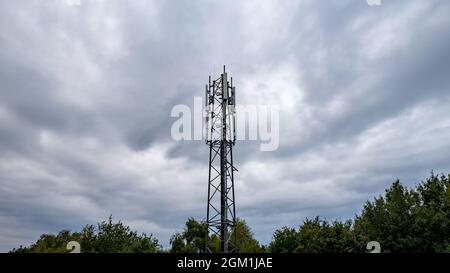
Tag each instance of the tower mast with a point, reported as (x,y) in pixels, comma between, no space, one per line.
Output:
(220,121)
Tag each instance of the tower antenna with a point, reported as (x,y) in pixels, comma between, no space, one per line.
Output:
(220,136)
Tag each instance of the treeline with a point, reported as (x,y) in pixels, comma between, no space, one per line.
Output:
(403,220)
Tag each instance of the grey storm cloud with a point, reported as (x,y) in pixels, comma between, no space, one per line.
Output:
(86,93)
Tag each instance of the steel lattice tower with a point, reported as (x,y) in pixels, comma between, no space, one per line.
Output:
(220,135)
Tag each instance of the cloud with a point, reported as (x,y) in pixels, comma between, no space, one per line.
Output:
(86,93)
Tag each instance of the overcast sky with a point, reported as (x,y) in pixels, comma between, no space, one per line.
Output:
(86,93)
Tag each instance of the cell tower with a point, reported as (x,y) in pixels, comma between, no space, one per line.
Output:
(220,136)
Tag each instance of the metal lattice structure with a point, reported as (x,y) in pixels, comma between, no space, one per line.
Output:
(220,136)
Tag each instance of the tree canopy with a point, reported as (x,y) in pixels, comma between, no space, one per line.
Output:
(402,220)
(416,220)
(107,237)
(193,239)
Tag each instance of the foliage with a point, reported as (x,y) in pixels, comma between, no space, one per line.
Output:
(403,220)
(107,237)
(416,220)
(241,239)
(192,239)
(314,236)
(320,236)
(284,240)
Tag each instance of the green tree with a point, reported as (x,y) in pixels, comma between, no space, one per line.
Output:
(388,220)
(241,239)
(416,220)
(432,215)
(192,239)
(109,237)
(317,235)
(117,237)
(284,240)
